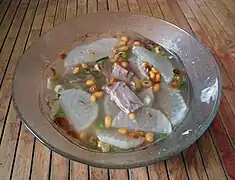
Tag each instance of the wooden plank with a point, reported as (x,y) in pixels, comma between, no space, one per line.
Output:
(133,6)
(226,150)
(194,163)
(138,173)
(179,16)
(71,9)
(155,9)
(118,174)
(6,54)
(227,117)
(23,157)
(79,171)
(226,22)
(24,150)
(98,173)
(50,16)
(102,5)
(59,164)
(204,39)
(112,5)
(7,21)
(176,168)
(166,11)
(59,167)
(60,12)
(82,7)
(230,5)
(92,6)
(144,7)
(213,21)
(41,159)
(229,93)
(210,157)
(123,5)
(158,171)
(4,7)
(214,39)
(9,142)
(41,162)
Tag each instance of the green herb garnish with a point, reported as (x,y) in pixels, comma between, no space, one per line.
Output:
(94,143)
(124,55)
(162,134)
(180,84)
(102,125)
(102,59)
(60,113)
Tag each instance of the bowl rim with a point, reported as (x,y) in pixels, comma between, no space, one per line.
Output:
(177,150)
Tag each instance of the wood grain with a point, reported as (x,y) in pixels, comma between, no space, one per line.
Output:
(4,7)
(158,171)
(194,163)
(227,117)
(226,150)
(210,157)
(9,142)
(138,173)
(98,173)
(116,174)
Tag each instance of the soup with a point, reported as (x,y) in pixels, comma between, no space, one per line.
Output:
(118,93)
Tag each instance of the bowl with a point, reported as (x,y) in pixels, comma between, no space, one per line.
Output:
(200,65)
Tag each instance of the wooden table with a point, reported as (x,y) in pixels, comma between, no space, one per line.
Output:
(23,157)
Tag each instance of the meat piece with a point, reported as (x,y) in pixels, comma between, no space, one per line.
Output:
(124,97)
(121,73)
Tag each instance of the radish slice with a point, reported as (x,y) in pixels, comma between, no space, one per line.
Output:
(82,54)
(162,64)
(179,109)
(147,97)
(110,107)
(119,140)
(147,119)
(78,108)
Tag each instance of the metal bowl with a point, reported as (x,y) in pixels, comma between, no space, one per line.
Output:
(198,61)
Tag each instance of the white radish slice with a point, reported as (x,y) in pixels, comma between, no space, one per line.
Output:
(163,65)
(171,103)
(82,54)
(147,97)
(179,109)
(110,107)
(119,140)
(147,119)
(78,108)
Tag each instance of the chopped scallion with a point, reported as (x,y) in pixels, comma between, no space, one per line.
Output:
(102,59)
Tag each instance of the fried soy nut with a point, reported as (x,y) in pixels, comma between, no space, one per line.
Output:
(124,64)
(98,94)
(156,87)
(145,64)
(132,116)
(76,70)
(84,136)
(123,49)
(124,38)
(112,80)
(136,43)
(107,121)
(90,82)
(137,84)
(132,135)
(115,58)
(121,43)
(93,98)
(152,74)
(140,133)
(93,88)
(158,77)
(122,131)
(147,84)
(149,137)
(84,65)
